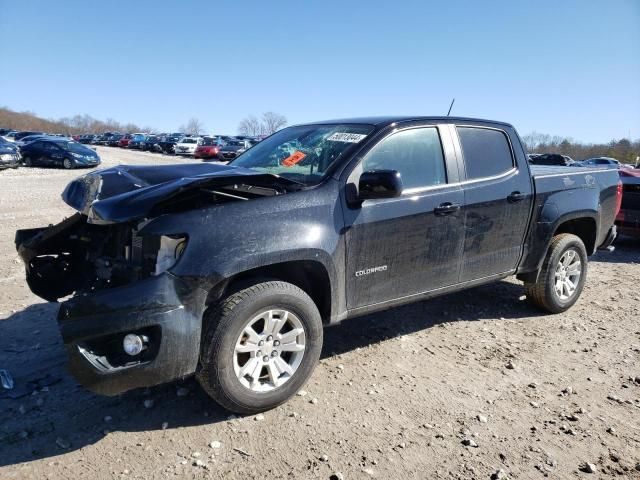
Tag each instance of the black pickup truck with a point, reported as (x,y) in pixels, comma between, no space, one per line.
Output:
(230,272)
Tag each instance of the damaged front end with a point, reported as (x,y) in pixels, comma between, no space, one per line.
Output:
(121,286)
(75,256)
(116,276)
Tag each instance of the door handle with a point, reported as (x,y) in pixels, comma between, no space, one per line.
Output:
(446,208)
(516,197)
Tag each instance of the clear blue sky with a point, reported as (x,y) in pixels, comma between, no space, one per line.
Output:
(566,67)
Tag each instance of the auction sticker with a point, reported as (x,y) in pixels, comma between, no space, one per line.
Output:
(294,158)
(346,137)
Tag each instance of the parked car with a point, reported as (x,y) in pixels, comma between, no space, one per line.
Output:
(231,149)
(20,135)
(230,272)
(10,136)
(599,162)
(208,148)
(551,159)
(186,145)
(151,144)
(30,138)
(167,143)
(48,151)
(136,141)
(9,154)
(86,138)
(628,219)
(124,140)
(104,138)
(114,140)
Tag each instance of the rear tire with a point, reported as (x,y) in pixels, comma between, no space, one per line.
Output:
(249,367)
(67,164)
(558,285)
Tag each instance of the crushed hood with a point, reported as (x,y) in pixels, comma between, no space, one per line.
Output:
(128,192)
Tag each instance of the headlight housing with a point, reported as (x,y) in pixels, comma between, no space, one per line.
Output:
(171,249)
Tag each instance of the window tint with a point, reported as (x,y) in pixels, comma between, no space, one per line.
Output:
(415,153)
(486,152)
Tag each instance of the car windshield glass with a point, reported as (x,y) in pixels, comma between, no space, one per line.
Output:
(188,140)
(75,147)
(209,141)
(138,137)
(303,153)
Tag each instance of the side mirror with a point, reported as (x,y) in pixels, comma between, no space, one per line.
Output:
(379,184)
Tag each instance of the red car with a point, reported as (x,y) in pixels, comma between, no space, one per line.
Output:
(124,141)
(209,148)
(628,219)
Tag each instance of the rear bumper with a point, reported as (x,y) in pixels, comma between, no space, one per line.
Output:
(166,309)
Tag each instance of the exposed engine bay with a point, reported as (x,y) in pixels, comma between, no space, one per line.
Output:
(76,256)
(101,246)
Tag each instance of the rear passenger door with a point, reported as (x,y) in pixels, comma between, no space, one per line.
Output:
(413,243)
(497,201)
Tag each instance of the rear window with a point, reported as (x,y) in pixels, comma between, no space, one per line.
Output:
(486,152)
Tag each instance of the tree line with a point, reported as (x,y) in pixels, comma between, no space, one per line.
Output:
(623,150)
(68,125)
(267,124)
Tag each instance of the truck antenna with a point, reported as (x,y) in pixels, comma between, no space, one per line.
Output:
(451,106)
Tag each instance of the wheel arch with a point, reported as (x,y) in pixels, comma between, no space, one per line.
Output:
(311,276)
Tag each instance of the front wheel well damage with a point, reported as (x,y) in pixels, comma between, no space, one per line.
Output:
(310,276)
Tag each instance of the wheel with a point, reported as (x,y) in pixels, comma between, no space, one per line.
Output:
(27,162)
(562,276)
(68,164)
(260,346)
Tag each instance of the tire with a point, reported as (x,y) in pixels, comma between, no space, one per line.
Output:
(544,293)
(67,164)
(220,373)
(27,162)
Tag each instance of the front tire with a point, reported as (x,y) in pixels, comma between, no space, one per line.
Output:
(261,344)
(562,275)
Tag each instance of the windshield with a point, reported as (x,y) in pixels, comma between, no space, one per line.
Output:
(209,141)
(75,147)
(304,153)
(138,137)
(188,140)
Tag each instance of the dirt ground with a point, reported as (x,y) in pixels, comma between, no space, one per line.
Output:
(470,385)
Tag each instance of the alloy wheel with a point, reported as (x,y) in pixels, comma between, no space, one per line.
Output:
(567,275)
(269,350)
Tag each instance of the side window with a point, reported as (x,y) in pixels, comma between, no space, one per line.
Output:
(415,153)
(486,152)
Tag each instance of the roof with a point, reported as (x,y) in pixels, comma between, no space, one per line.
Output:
(386,120)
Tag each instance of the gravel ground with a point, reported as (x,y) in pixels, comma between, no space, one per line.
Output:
(470,385)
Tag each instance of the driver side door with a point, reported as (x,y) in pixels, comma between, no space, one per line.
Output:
(403,246)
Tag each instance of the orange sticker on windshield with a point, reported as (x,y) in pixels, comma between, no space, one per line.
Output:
(294,158)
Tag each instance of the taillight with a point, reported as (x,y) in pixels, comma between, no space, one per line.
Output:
(618,197)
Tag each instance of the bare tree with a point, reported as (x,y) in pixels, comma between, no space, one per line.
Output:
(272,122)
(250,126)
(193,127)
(269,123)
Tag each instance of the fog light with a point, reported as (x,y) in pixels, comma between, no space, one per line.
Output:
(134,344)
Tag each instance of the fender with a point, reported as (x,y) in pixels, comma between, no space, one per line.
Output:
(227,240)
(558,208)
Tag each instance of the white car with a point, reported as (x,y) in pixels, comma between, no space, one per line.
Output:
(187,145)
